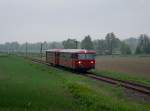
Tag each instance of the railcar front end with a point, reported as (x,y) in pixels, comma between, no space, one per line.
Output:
(85,61)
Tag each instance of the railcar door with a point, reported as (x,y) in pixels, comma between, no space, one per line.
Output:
(74,58)
(57,58)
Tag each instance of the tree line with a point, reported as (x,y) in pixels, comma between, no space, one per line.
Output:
(108,46)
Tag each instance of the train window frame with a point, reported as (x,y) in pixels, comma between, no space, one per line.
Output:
(66,56)
(86,56)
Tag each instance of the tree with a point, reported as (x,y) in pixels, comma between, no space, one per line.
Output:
(70,44)
(111,42)
(54,45)
(132,42)
(143,46)
(125,49)
(7,47)
(87,43)
(14,46)
(99,46)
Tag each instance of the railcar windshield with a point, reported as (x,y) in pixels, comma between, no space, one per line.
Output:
(86,56)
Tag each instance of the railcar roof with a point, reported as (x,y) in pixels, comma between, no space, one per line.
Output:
(72,50)
(53,50)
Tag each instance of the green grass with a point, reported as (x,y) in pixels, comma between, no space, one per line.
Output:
(25,86)
(124,76)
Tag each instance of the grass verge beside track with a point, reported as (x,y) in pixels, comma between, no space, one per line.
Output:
(25,86)
(124,76)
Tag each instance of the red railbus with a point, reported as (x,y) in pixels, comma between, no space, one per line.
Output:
(78,59)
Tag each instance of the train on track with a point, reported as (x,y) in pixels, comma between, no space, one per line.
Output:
(76,59)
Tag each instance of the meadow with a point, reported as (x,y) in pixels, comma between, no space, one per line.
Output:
(132,68)
(26,86)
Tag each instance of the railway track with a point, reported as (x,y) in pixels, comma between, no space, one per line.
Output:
(126,84)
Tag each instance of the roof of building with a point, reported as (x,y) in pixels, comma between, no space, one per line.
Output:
(71,50)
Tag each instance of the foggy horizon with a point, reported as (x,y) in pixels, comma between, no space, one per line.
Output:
(58,20)
(50,41)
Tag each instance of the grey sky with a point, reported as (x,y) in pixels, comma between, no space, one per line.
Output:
(56,20)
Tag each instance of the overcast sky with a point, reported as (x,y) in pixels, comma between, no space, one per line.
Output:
(56,20)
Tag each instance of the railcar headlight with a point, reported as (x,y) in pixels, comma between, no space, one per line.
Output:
(79,62)
(92,62)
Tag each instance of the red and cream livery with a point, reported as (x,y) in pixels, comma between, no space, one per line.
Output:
(78,59)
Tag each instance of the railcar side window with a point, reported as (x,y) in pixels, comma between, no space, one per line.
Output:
(90,56)
(81,56)
(86,56)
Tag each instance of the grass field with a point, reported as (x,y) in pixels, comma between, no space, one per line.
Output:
(25,86)
(132,68)
(139,66)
